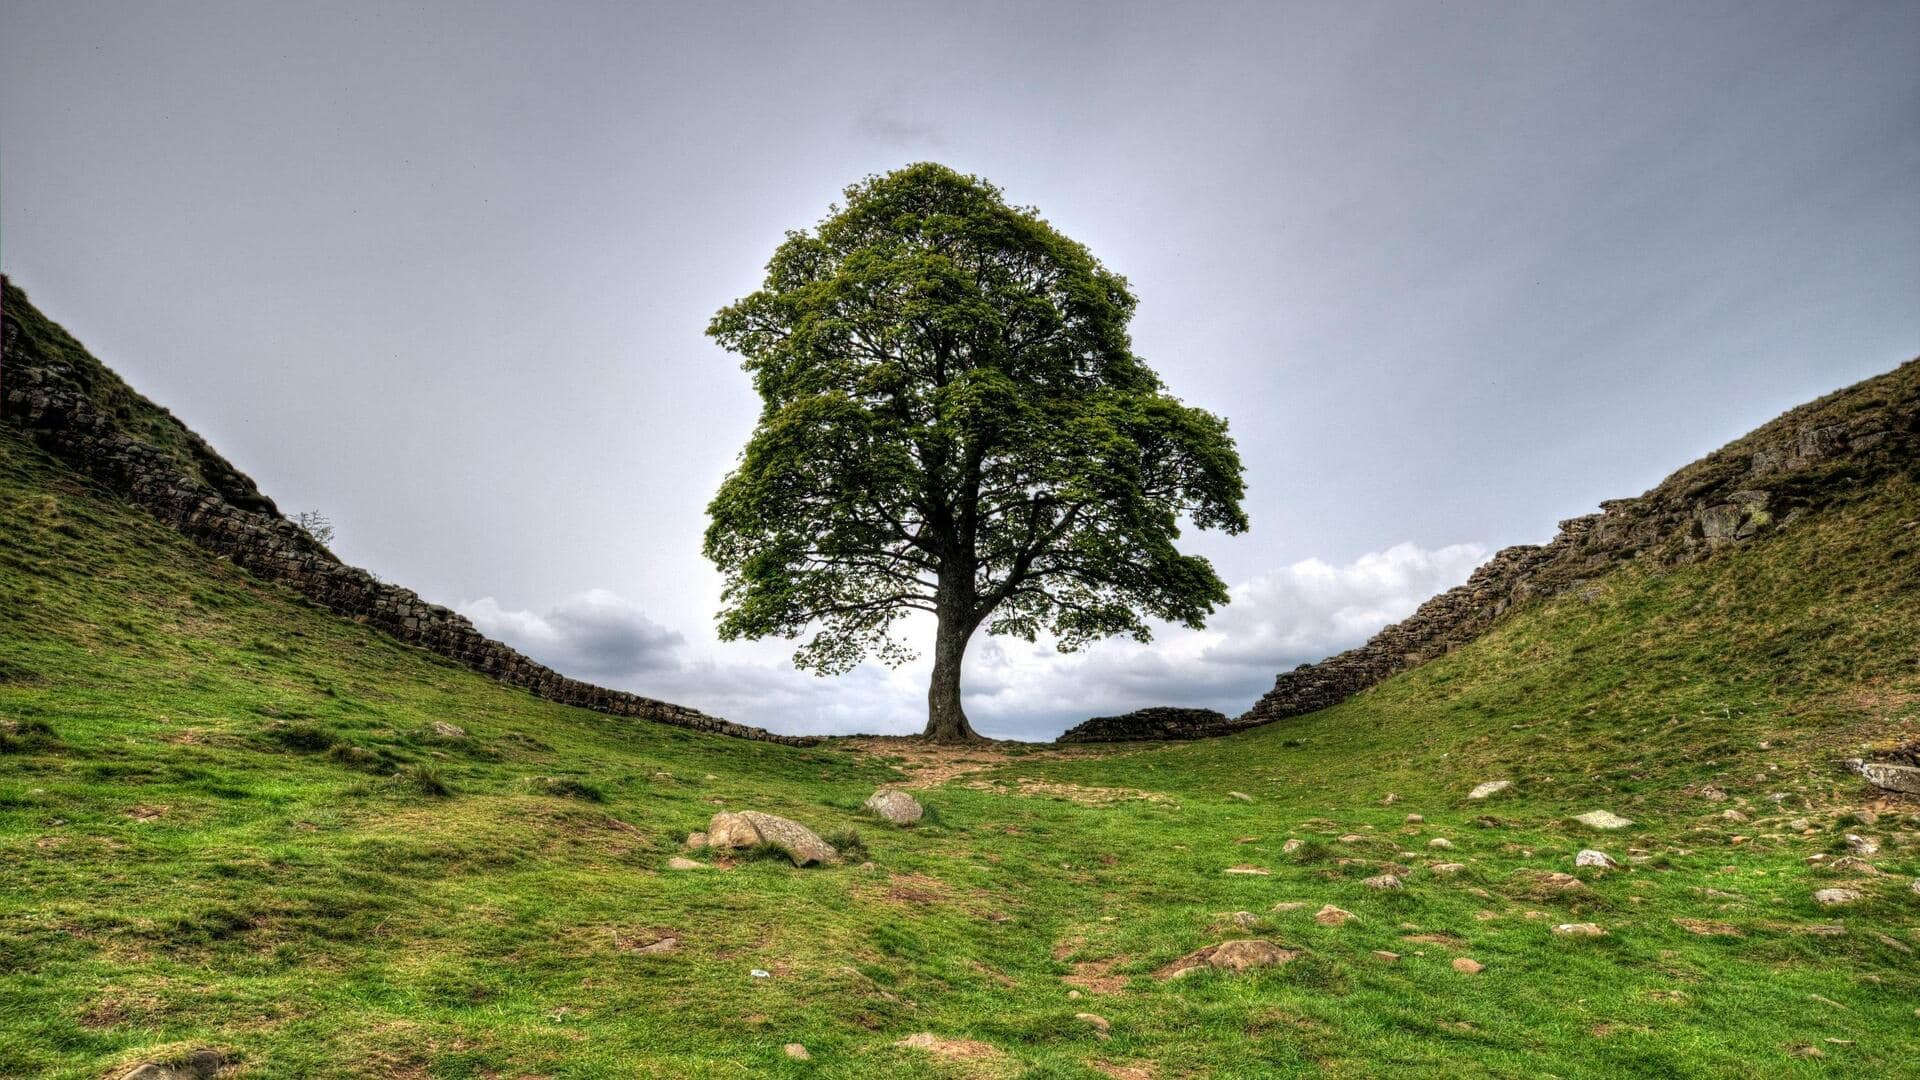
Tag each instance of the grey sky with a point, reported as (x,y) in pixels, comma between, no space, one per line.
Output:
(1453,271)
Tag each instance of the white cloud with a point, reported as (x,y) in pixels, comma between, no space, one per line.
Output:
(1296,614)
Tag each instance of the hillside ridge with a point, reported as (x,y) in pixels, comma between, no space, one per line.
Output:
(1807,458)
(71,405)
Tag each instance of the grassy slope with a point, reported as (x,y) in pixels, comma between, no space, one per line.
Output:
(305,910)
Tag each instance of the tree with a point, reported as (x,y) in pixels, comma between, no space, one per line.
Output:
(953,421)
(315,524)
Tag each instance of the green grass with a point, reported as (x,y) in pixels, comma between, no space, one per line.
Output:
(226,819)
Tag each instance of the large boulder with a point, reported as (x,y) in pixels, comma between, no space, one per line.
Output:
(895,806)
(751,828)
(1892,777)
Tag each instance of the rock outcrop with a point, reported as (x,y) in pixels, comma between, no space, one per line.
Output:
(1813,456)
(70,405)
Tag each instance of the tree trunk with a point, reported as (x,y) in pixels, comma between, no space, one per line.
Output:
(946,720)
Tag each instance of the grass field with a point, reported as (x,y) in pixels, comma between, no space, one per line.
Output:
(227,820)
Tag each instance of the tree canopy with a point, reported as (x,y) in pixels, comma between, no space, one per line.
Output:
(954,421)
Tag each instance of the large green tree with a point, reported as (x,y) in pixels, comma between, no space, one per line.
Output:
(954,422)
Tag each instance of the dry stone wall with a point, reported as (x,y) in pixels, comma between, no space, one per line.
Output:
(46,399)
(1813,456)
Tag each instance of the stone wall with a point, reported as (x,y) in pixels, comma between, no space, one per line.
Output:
(1814,455)
(44,393)
(1159,722)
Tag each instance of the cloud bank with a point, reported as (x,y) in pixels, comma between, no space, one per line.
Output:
(1014,689)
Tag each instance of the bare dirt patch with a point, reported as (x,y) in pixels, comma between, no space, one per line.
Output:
(1096,976)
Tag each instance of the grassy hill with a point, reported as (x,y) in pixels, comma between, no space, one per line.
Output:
(229,819)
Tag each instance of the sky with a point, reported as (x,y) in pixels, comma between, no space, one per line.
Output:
(1452,271)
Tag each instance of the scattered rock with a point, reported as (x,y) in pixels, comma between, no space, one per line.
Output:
(1732,815)
(1238,955)
(449,731)
(798,1052)
(681,862)
(1916,884)
(1382,881)
(1862,845)
(1242,919)
(1290,905)
(1095,1021)
(1332,916)
(1255,870)
(1386,957)
(1241,795)
(1292,846)
(895,806)
(1602,819)
(696,840)
(1591,857)
(1467,965)
(1579,929)
(1836,897)
(1440,843)
(1416,819)
(750,828)
(1489,789)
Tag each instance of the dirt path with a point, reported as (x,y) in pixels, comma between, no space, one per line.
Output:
(929,765)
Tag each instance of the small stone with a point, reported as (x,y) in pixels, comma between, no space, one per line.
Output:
(798,1052)
(1292,846)
(1592,857)
(1241,795)
(1095,1021)
(1073,995)
(1836,897)
(1242,919)
(1416,819)
(1579,929)
(1862,845)
(1386,957)
(1602,819)
(1732,815)
(1290,905)
(1447,867)
(664,945)
(1467,965)
(681,862)
(1352,838)
(1916,884)
(1332,916)
(1440,843)
(1382,881)
(1489,789)
(1252,870)
(760,973)
(449,731)
(696,839)
(897,807)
